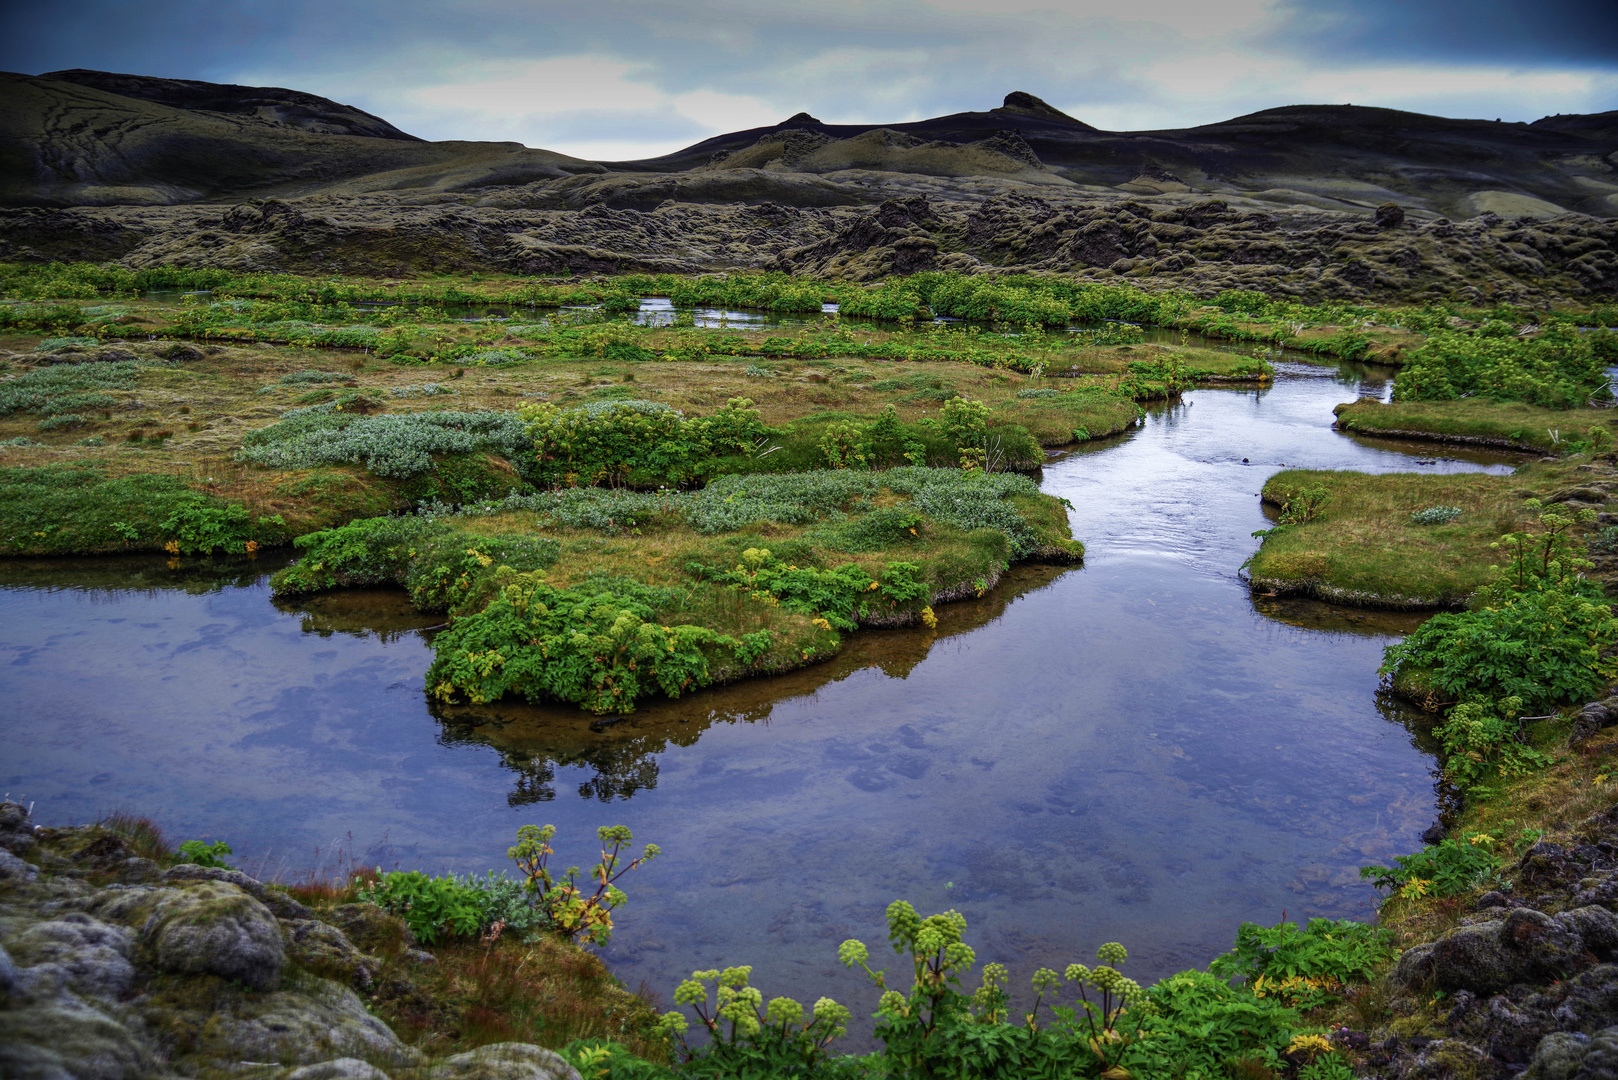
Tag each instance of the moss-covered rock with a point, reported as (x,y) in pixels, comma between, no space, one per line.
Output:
(52,1036)
(92,956)
(211,928)
(324,950)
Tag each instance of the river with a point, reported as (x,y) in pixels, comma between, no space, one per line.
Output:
(1132,750)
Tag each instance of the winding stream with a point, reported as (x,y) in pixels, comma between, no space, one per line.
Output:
(1134,750)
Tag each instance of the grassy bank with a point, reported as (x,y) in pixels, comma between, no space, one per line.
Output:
(1355,538)
(1358,543)
(1510,425)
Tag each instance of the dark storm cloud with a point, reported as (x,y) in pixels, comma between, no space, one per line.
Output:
(1539,33)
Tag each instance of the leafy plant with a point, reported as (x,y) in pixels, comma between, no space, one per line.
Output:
(567,907)
(601,651)
(1449,868)
(1435,515)
(841,595)
(430,905)
(1304,967)
(1481,740)
(399,446)
(614,442)
(213,855)
(748,1037)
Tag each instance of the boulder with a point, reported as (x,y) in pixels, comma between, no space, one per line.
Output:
(14,869)
(316,1023)
(504,1061)
(16,831)
(92,955)
(215,928)
(1564,1055)
(1390,215)
(59,1037)
(280,904)
(1487,957)
(337,1069)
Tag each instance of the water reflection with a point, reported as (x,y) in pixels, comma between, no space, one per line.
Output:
(621,754)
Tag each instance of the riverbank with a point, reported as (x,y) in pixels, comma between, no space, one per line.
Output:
(1358,539)
(1501,425)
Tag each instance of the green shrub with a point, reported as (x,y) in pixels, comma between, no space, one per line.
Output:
(1557,369)
(614,442)
(601,652)
(432,906)
(1480,740)
(1435,515)
(1450,868)
(67,387)
(195,851)
(841,596)
(1541,646)
(1304,967)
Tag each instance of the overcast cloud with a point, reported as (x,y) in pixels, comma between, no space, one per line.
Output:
(618,80)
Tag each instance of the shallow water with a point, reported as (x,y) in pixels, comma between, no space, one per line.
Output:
(1133,750)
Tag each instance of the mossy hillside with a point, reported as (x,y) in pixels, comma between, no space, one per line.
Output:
(1508,424)
(1362,547)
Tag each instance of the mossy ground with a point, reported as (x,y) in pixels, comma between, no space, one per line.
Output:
(1489,423)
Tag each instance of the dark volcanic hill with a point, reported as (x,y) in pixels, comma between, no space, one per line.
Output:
(1328,156)
(291,107)
(76,138)
(85,138)
(1314,201)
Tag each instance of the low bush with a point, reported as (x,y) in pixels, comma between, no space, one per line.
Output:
(63,388)
(392,445)
(600,651)
(642,442)
(1557,369)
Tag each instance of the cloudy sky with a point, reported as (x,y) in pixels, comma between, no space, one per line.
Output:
(618,79)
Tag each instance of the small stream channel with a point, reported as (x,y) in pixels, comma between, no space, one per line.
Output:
(1132,750)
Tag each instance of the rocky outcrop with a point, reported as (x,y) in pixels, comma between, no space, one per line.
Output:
(619,223)
(111,970)
(1531,978)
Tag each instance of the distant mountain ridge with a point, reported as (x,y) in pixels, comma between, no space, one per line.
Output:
(91,138)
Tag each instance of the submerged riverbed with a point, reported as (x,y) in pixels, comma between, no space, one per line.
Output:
(1133,750)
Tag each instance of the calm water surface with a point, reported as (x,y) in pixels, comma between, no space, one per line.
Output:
(1133,750)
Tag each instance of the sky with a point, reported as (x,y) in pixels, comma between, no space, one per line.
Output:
(619,79)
